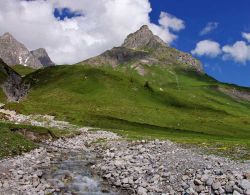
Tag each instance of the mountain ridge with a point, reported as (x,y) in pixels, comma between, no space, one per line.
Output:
(143,47)
(13,52)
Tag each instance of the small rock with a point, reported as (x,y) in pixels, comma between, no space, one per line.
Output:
(218,172)
(247,175)
(185,186)
(6,184)
(209,182)
(20,172)
(216,185)
(142,191)
(204,178)
(247,192)
(125,180)
(185,177)
(236,193)
(245,184)
(229,188)
(236,188)
(197,182)
(39,173)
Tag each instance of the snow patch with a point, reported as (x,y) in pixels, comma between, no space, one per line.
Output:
(20,60)
(26,60)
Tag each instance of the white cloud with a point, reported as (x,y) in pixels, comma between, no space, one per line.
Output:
(211,26)
(207,48)
(246,36)
(104,24)
(239,52)
(169,21)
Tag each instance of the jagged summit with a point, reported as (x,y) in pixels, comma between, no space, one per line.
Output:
(13,52)
(7,35)
(143,38)
(42,55)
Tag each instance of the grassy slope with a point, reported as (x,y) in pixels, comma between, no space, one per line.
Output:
(13,143)
(178,105)
(23,70)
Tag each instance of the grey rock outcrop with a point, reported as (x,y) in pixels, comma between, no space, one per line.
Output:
(235,93)
(116,56)
(42,55)
(11,83)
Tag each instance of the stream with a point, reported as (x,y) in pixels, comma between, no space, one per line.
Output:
(70,174)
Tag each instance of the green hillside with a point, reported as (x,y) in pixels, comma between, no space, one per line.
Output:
(165,103)
(23,70)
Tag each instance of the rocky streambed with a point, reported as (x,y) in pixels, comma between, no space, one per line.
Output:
(59,167)
(163,167)
(101,162)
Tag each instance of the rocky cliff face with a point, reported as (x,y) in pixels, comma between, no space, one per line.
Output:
(143,47)
(11,83)
(42,55)
(13,52)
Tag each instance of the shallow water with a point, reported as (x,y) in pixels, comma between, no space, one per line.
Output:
(71,175)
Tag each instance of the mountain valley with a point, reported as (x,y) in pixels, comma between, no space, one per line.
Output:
(141,95)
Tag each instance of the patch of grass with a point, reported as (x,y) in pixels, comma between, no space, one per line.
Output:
(12,142)
(179,105)
(23,70)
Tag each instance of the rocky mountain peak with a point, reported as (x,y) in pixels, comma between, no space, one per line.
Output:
(13,52)
(7,35)
(143,38)
(42,55)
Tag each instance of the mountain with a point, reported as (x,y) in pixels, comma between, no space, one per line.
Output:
(42,55)
(143,88)
(143,47)
(13,52)
(11,83)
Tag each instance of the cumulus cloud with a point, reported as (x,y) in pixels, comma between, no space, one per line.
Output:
(168,25)
(207,48)
(239,52)
(246,36)
(211,26)
(100,25)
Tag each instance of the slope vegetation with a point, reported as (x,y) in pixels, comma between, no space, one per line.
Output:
(144,89)
(166,103)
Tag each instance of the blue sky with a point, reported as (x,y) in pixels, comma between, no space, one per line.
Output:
(233,18)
